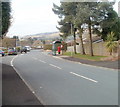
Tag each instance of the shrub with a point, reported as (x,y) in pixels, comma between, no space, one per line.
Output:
(47,47)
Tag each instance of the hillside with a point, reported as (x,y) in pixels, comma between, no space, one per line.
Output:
(47,35)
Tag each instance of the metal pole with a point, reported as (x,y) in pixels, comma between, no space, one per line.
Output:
(16,42)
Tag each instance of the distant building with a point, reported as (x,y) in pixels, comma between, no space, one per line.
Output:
(37,44)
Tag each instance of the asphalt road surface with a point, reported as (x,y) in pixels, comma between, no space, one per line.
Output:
(14,91)
(60,82)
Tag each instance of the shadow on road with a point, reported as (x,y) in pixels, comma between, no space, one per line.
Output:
(14,90)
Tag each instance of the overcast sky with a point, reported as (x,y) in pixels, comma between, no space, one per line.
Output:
(33,16)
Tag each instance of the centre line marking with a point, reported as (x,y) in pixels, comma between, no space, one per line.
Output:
(42,61)
(33,57)
(41,87)
(55,66)
(84,77)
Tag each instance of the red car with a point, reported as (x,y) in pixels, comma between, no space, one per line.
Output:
(12,52)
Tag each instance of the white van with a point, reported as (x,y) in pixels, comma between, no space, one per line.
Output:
(28,48)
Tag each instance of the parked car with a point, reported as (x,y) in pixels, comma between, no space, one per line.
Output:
(24,50)
(12,52)
(2,53)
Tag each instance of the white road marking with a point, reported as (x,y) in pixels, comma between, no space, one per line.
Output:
(84,77)
(35,58)
(39,60)
(13,60)
(42,61)
(41,87)
(31,89)
(55,66)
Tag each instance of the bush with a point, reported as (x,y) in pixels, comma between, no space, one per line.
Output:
(18,49)
(47,47)
(64,46)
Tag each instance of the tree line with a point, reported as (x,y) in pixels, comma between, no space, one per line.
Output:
(98,17)
(5,19)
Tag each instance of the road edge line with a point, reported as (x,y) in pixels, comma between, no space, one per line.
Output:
(41,101)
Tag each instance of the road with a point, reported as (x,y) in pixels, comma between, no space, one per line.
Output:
(14,90)
(60,82)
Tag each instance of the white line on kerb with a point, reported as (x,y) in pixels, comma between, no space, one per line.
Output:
(55,66)
(31,89)
(84,77)
(13,60)
(42,61)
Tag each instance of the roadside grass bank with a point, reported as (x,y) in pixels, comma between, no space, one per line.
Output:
(87,57)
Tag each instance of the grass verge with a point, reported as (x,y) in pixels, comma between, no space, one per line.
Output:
(87,57)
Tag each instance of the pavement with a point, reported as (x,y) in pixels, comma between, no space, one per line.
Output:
(14,91)
(105,64)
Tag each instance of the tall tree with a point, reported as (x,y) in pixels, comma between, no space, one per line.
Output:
(67,12)
(6,16)
(111,24)
(93,14)
(0,19)
(108,20)
(86,12)
(78,24)
(64,29)
(81,40)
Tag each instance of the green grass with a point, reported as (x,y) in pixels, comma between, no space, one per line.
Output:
(88,57)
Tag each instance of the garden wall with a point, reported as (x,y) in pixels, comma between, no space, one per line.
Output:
(98,49)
